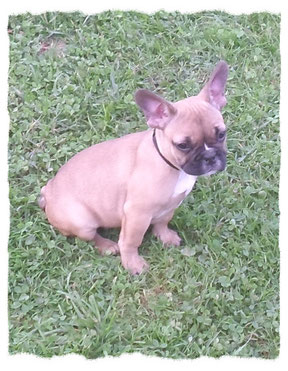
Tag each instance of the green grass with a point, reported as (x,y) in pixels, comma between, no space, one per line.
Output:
(71,84)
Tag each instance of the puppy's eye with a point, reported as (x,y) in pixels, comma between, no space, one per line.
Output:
(183,146)
(221,135)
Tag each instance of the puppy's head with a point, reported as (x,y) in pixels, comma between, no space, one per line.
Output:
(191,133)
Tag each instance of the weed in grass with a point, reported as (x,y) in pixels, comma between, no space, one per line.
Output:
(71,83)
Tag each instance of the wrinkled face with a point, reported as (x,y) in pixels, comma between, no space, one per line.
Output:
(197,137)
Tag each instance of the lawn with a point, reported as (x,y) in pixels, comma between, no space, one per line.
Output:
(72,78)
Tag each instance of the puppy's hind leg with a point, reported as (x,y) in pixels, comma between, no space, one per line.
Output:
(41,199)
(105,246)
(76,220)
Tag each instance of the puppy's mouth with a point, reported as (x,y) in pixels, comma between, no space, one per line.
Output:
(206,163)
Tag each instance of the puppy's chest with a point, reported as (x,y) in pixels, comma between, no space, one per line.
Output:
(184,184)
(182,188)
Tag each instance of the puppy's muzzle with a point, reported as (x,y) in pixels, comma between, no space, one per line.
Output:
(207,161)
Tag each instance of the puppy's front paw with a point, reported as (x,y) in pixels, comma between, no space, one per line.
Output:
(135,264)
(168,237)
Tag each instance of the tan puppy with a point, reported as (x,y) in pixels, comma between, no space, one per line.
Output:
(140,179)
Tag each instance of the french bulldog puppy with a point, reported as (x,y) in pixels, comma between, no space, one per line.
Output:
(139,179)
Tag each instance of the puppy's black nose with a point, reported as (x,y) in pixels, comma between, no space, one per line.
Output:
(209,156)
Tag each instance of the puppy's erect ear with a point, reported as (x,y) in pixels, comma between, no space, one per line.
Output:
(157,110)
(214,91)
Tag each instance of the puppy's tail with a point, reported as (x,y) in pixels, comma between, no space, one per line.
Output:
(42,199)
